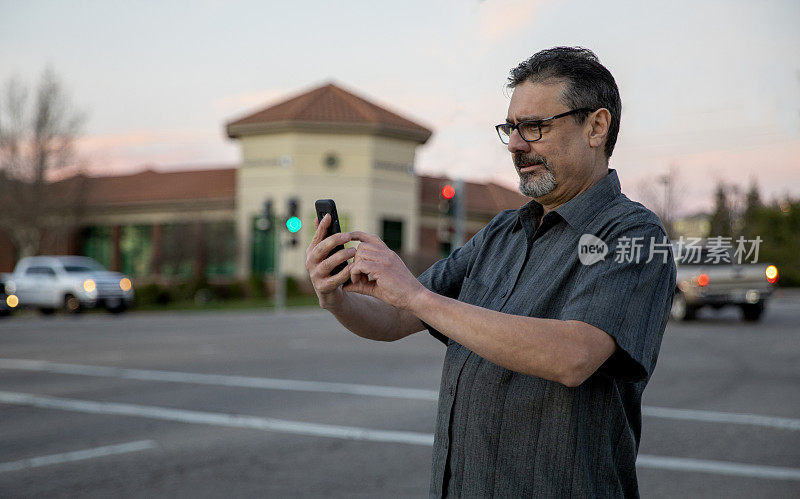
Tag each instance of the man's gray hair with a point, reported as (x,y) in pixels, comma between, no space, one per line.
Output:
(589,83)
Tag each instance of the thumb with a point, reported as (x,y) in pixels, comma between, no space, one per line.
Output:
(363,287)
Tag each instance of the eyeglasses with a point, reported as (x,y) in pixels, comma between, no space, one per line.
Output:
(530,130)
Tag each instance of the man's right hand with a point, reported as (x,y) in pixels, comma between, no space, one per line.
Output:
(328,288)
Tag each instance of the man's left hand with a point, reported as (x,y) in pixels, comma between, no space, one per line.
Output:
(378,271)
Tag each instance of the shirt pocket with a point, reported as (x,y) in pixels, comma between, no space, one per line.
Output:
(473,291)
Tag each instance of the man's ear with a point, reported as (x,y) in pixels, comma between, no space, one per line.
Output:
(599,124)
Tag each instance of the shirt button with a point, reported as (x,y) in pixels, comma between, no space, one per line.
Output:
(504,294)
(452,390)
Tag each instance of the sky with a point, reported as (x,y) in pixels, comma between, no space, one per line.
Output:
(710,90)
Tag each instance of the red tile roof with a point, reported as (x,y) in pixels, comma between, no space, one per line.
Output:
(150,186)
(328,105)
(488,198)
(184,185)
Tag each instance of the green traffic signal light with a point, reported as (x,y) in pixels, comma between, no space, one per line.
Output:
(293,224)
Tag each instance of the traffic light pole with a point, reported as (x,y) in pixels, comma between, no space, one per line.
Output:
(292,223)
(280,276)
(459,230)
(266,224)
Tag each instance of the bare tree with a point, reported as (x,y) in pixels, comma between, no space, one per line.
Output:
(37,141)
(664,194)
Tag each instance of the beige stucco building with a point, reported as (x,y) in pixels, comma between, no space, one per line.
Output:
(323,143)
(328,143)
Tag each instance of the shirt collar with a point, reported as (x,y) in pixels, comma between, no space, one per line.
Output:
(578,211)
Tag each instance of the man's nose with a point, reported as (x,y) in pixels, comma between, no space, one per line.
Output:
(516,144)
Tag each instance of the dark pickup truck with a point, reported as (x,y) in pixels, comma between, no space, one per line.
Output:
(705,280)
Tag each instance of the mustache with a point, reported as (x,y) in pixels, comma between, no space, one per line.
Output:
(523,160)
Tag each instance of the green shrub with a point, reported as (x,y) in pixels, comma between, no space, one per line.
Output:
(187,290)
(229,291)
(256,287)
(152,294)
(292,287)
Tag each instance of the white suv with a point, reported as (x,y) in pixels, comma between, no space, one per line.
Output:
(70,283)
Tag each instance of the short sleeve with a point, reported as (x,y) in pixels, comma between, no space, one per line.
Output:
(629,298)
(446,276)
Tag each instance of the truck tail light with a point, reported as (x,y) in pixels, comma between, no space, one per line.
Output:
(772,274)
(702,280)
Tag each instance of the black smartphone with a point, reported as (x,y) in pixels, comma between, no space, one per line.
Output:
(325,206)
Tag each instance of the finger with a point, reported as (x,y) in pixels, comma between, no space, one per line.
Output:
(371,250)
(321,228)
(364,268)
(322,269)
(324,247)
(355,276)
(361,286)
(342,276)
(329,283)
(355,272)
(377,258)
(327,265)
(318,235)
(357,235)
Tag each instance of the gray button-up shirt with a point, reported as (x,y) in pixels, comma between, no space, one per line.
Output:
(506,434)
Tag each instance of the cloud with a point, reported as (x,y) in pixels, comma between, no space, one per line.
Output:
(501,19)
(113,153)
(775,166)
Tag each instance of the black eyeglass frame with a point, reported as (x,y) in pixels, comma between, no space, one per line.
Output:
(538,123)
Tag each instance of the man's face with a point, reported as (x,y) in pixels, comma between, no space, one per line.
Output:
(554,168)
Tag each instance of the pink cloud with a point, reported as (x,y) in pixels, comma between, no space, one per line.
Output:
(774,166)
(500,19)
(106,154)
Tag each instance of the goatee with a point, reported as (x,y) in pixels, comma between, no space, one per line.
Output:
(534,184)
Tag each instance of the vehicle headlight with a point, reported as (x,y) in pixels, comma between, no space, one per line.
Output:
(12,301)
(11,288)
(89,285)
(125,284)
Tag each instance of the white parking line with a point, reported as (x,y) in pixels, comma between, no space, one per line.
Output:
(717,467)
(217,419)
(355,433)
(722,417)
(78,455)
(355,389)
(220,380)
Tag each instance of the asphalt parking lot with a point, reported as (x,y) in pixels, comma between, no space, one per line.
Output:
(254,404)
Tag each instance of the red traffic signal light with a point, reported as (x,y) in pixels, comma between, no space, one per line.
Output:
(448,191)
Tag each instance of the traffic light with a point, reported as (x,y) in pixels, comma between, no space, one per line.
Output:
(447,200)
(452,215)
(293,222)
(265,222)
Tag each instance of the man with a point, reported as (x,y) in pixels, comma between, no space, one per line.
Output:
(548,349)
